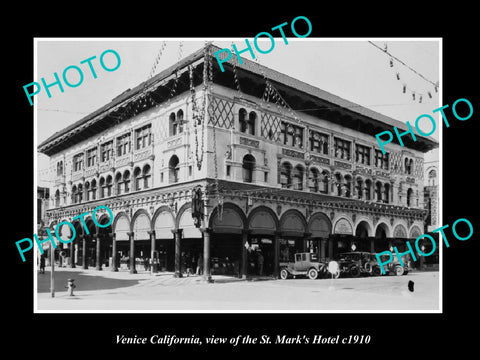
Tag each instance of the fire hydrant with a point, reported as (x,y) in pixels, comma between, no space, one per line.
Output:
(70,286)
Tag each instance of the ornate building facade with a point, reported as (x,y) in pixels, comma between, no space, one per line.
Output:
(268,179)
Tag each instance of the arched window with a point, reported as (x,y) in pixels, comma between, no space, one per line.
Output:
(313,179)
(108,185)
(102,187)
(57,198)
(432,177)
(252,117)
(298,177)
(286,175)
(338,180)
(409,197)
(137,178)
(368,191)
(180,121)
(80,193)
(325,177)
(348,186)
(248,166)
(93,190)
(411,166)
(87,191)
(242,118)
(173,126)
(359,188)
(378,191)
(386,193)
(173,169)
(118,183)
(126,181)
(74,194)
(146,176)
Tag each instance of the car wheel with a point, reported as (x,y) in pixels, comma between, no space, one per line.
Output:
(284,274)
(399,270)
(376,271)
(405,272)
(354,271)
(312,273)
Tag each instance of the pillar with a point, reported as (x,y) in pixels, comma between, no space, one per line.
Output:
(330,248)
(98,264)
(323,242)
(206,254)
(276,254)
(72,254)
(178,254)
(132,253)
(372,245)
(244,267)
(84,252)
(113,267)
(152,249)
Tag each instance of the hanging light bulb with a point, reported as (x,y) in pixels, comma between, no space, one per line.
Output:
(404,88)
(391,62)
(398,76)
(420,100)
(413,95)
(429,94)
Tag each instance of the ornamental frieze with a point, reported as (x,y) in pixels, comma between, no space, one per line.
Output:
(342,165)
(250,142)
(292,153)
(319,159)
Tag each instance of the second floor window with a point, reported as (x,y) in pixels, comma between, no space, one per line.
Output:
(362,154)
(106,151)
(381,161)
(342,149)
(292,135)
(78,162)
(59,168)
(318,142)
(143,137)
(123,144)
(247,121)
(91,157)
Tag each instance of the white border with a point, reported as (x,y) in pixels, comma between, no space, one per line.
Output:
(440,183)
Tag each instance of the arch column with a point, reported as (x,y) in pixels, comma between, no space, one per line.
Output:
(72,255)
(178,255)
(132,253)
(84,252)
(206,254)
(323,242)
(152,250)
(98,264)
(244,269)
(114,252)
(276,253)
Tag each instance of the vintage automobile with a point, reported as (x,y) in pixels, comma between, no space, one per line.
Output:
(306,264)
(355,263)
(392,268)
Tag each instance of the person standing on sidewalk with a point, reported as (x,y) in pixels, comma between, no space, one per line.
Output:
(42,264)
(200,264)
(260,260)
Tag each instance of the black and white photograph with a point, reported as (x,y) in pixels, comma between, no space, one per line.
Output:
(232,185)
(211,183)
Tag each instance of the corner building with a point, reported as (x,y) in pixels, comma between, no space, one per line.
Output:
(227,145)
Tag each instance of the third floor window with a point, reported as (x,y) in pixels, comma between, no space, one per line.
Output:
(91,157)
(123,144)
(143,137)
(106,151)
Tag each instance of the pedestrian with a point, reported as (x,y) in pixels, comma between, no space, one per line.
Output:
(260,262)
(146,263)
(42,264)
(200,264)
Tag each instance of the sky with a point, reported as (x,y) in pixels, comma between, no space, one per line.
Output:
(352,69)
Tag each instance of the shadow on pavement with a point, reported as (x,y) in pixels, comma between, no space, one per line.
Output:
(82,282)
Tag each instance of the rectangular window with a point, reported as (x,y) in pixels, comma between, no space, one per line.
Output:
(123,144)
(143,137)
(362,154)
(78,162)
(161,177)
(59,168)
(342,148)
(318,142)
(381,161)
(292,135)
(106,151)
(190,171)
(265,176)
(91,157)
(228,170)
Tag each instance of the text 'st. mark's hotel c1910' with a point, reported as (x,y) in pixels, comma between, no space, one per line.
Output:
(225,168)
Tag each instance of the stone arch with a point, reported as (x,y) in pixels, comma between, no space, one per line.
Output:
(293,223)
(233,219)
(184,221)
(121,226)
(166,223)
(319,225)
(415,232)
(343,226)
(400,231)
(368,228)
(141,225)
(383,227)
(263,220)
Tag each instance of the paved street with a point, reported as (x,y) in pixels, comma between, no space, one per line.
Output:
(121,291)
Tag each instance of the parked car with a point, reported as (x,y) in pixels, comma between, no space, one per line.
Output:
(354,263)
(393,267)
(306,264)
